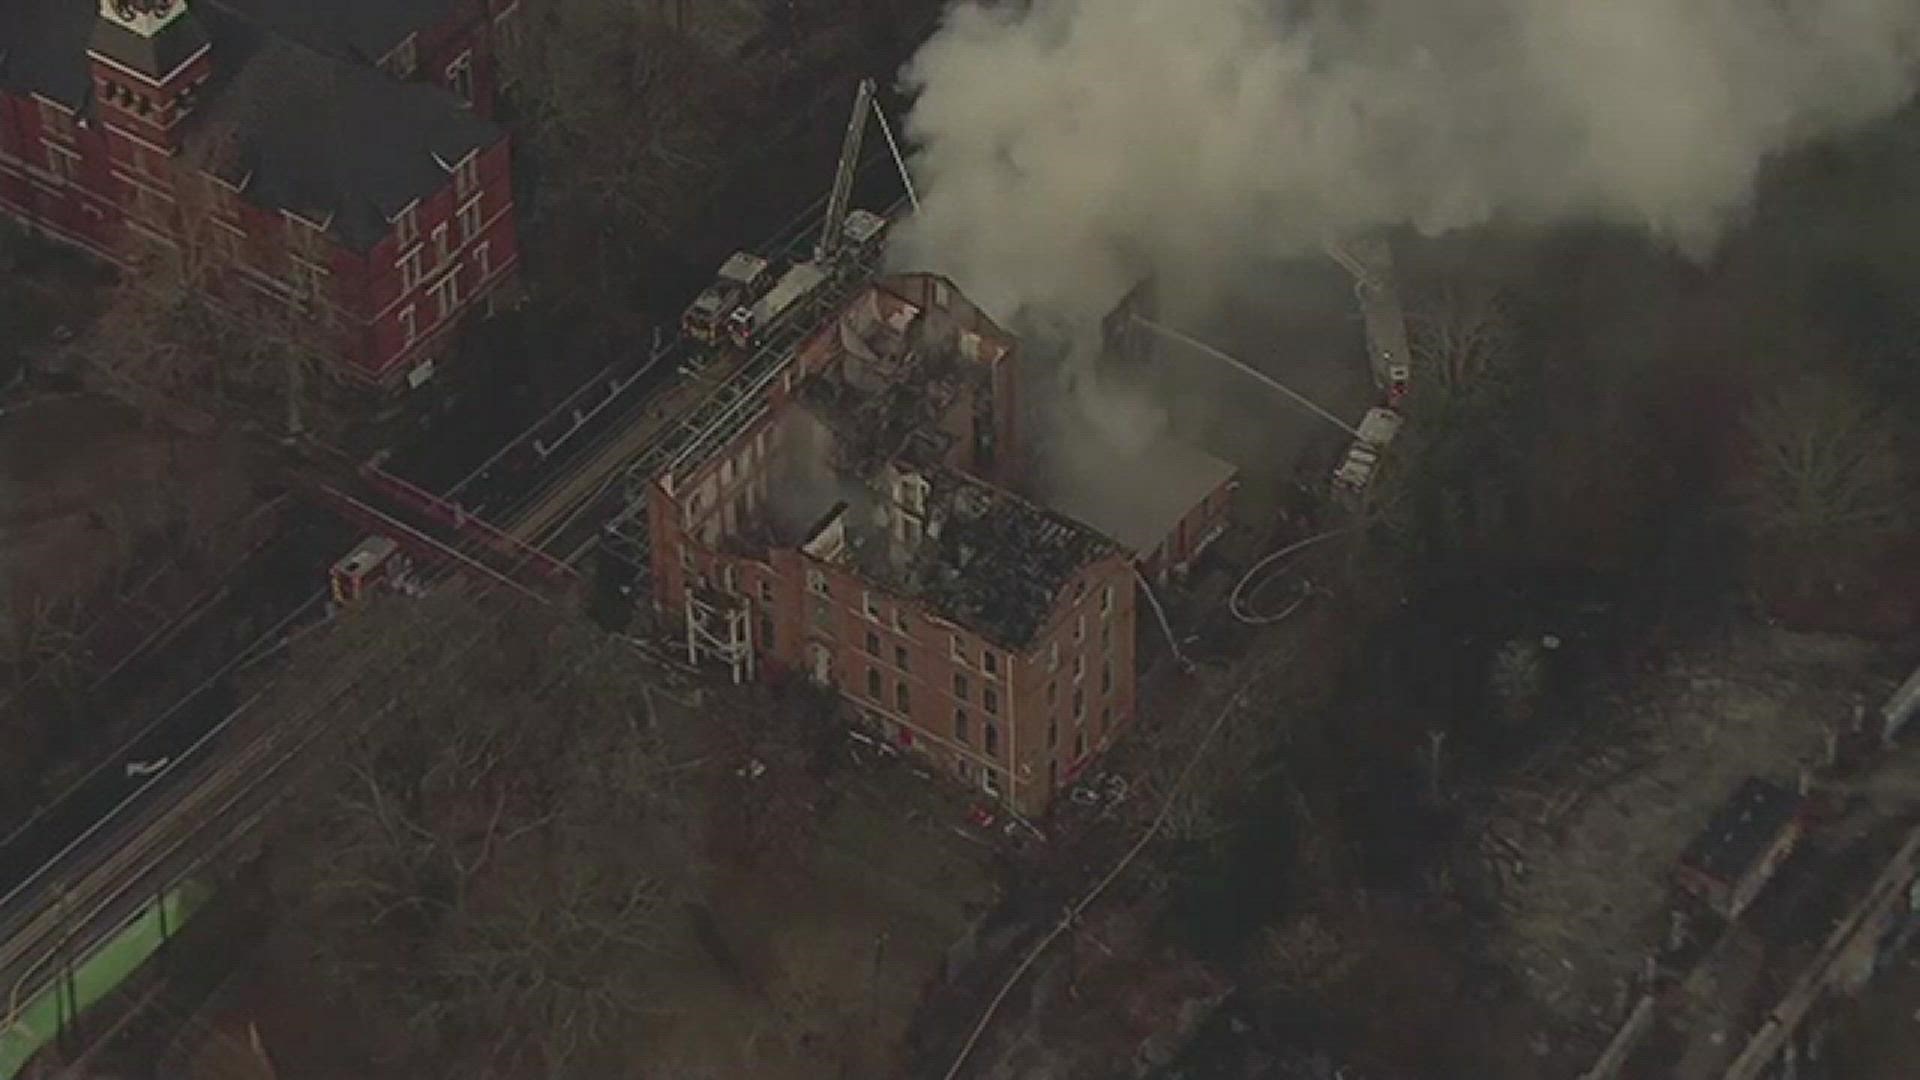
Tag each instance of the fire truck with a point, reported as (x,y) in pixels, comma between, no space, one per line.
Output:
(740,280)
(376,564)
(1362,459)
(748,325)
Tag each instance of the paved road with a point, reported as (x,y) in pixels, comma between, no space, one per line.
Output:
(95,853)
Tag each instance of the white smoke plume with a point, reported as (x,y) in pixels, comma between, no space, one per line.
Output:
(1066,148)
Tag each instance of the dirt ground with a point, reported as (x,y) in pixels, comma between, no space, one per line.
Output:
(837,961)
(1587,845)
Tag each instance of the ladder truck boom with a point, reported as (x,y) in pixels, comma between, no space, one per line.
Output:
(842,194)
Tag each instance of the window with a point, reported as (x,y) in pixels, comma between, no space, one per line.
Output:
(1106,718)
(1053,732)
(900,658)
(440,250)
(446,296)
(990,699)
(64,163)
(303,236)
(460,77)
(957,650)
(229,241)
(1079,703)
(990,735)
(873,683)
(817,583)
(766,592)
(960,685)
(1079,666)
(466,175)
(145,203)
(222,198)
(1106,600)
(400,63)
(899,621)
(990,662)
(766,631)
(410,271)
(871,606)
(1053,693)
(1106,636)
(1106,677)
(406,228)
(820,616)
(309,278)
(1053,774)
(1079,629)
(901,698)
(482,261)
(960,732)
(1079,745)
(1053,656)
(55,121)
(873,643)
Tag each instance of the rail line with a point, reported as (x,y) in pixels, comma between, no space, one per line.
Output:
(88,884)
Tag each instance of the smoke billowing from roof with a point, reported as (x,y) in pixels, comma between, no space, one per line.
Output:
(1068,147)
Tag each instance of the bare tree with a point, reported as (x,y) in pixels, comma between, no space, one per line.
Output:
(1461,336)
(628,116)
(183,330)
(1829,475)
(499,853)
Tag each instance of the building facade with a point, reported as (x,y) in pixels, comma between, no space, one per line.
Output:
(855,524)
(287,162)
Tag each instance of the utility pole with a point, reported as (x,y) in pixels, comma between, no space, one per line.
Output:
(873,977)
(295,425)
(1435,739)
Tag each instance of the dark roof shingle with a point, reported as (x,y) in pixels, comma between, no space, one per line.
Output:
(43,48)
(334,141)
(365,30)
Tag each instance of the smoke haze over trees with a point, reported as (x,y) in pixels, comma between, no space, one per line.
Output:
(1066,148)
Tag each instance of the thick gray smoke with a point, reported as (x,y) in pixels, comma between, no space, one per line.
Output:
(1065,148)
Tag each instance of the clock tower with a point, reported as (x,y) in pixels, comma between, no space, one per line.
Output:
(148,58)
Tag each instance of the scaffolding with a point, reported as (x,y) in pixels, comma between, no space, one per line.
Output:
(720,628)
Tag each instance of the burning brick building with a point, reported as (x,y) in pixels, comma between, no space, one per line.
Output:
(855,522)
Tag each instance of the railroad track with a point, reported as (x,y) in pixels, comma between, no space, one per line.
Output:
(180,823)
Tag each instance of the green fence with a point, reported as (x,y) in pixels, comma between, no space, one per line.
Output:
(39,1019)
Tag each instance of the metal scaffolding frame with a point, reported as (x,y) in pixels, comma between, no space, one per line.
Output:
(720,628)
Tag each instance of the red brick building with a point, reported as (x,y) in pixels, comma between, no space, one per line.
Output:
(854,524)
(334,156)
